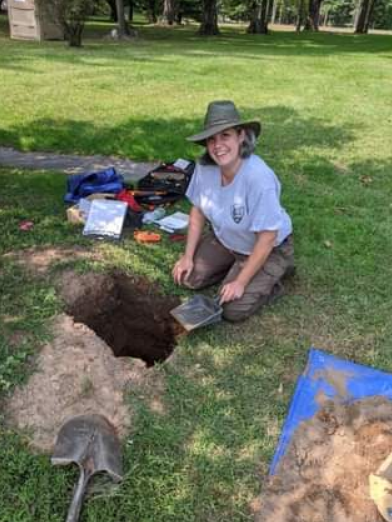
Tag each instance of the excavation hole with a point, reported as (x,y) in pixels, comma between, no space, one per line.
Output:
(128,313)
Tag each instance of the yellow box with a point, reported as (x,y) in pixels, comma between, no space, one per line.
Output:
(76,216)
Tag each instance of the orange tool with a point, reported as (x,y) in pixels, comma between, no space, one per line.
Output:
(145,236)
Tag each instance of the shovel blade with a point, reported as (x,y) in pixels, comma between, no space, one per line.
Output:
(90,441)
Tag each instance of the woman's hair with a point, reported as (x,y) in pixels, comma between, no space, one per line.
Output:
(247,147)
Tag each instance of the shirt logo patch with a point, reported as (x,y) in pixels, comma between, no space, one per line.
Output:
(237,213)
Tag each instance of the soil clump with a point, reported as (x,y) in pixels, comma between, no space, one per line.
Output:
(324,474)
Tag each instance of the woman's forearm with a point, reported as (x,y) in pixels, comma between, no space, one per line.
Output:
(264,244)
(195,229)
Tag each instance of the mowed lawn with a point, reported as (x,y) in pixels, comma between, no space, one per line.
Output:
(326,108)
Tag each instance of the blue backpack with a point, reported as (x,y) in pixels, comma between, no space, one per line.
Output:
(82,185)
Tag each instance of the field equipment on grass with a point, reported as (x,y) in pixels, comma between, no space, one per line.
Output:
(198,311)
(146,236)
(89,441)
(165,184)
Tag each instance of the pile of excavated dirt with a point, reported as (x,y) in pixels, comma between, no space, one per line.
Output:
(323,476)
(84,371)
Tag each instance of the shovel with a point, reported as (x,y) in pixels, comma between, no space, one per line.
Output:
(198,311)
(90,442)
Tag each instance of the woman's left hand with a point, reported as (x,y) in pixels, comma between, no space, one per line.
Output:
(231,291)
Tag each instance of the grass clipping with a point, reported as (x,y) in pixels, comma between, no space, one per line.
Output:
(324,475)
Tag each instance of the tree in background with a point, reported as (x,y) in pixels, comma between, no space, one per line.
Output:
(313,18)
(300,15)
(259,17)
(71,15)
(364,16)
(113,10)
(209,22)
(169,12)
(122,25)
(152,10)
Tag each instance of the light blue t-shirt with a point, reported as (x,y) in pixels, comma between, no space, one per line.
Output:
(249,204)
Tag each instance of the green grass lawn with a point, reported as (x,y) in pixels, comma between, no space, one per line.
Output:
(325,103)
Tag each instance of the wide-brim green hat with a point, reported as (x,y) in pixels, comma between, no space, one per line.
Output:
(222,115)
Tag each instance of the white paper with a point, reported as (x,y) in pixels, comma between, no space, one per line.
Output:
(181,164)
(105,218)
(176,221)
(84,206)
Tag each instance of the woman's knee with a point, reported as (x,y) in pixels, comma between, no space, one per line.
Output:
(235,314)
(237,311)
(195,282)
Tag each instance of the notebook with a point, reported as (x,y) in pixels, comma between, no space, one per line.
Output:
(105,218)
(176,221)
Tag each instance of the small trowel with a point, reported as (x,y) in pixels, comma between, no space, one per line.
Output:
(89,441)
(200,310)
(380,484)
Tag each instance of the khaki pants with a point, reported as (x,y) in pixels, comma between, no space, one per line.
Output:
(214,263)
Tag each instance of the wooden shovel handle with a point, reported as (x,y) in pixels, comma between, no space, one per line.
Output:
(77,500)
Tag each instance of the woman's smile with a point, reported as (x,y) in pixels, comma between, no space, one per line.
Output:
(224,147)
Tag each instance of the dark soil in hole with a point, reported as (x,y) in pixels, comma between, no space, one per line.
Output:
(128,313)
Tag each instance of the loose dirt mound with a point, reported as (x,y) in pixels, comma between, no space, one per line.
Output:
(78,373)
(323,476)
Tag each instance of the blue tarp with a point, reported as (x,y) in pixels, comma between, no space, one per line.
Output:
(334,378)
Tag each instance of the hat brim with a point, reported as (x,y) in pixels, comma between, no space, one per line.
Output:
(201,138)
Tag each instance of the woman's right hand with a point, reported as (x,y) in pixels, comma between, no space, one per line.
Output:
(182,269)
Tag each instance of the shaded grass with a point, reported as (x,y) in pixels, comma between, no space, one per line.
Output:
(325,104)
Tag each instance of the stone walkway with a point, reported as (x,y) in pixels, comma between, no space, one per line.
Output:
(71,164)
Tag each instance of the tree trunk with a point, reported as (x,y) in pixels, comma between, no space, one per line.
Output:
(313,18)
(113,10)
(370,15)
(259,13)
(269,10)
(123,29)
(300,18)
(364,15)
(73,33)
(151,12)
(130,11)
(326,17)
(264,16)
(169,12)
(254,24)
(274,8)
(209,24)
(281,14)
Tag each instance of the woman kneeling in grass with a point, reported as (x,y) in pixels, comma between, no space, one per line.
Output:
(250,247)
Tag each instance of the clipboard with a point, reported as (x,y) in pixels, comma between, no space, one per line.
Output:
(105,219)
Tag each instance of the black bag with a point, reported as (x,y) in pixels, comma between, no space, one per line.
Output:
(165,184)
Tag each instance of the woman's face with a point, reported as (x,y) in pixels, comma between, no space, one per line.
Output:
(224,147)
